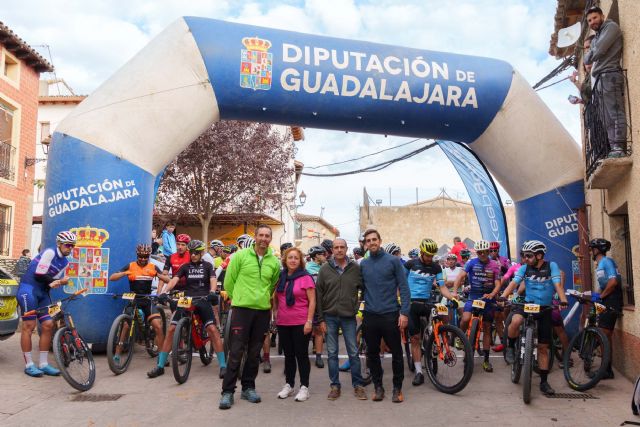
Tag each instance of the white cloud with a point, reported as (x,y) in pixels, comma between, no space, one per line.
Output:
(90,40)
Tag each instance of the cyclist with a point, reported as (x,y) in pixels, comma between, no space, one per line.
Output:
(610,290)
(327,244)
(484,281)
(177,259)
(499,316)
(318,256)
(414,253)
(358,255)
(141,273)
(422,275)
(200,281)
(465,255)
(451,271)
(541,279)
(46,271)
(214,255)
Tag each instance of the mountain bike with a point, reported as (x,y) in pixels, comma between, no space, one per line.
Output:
(362,350)
(190,334)
(589,352)
(448,368)
(129,328)
(71,352)
(526,352)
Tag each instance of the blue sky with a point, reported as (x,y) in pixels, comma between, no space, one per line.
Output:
(90,40)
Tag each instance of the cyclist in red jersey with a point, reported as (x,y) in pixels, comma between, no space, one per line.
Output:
(177,260)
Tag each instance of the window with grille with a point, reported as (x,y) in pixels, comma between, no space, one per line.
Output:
(5,229)
(7,149)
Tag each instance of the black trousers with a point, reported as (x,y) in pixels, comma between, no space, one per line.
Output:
(296,351)
(383,326)
(248,327)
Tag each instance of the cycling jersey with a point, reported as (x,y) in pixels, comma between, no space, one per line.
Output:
(482,277)
(451,274)
(539,282)
(511,271)
(503,263)
(140,277)
(47,266)
(606,270)
(312,268)
(173,264)
(421,278)
(198,278)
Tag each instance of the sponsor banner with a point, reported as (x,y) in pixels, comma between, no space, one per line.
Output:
(482,192)
(108,203)
(276,76)
(551,217)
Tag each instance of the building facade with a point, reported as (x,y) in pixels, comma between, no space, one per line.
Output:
(441,219)
(612,184)
(20,68)
(311,230)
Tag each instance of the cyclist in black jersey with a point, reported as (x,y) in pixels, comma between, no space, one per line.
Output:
(200,281)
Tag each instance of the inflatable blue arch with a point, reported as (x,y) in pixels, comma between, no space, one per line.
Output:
(107,153)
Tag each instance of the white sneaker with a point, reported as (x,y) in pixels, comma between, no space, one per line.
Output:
(303,394)
(286,391)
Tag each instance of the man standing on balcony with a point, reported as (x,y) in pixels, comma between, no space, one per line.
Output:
(605,55)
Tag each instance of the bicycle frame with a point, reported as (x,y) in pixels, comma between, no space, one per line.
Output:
(477,312)
(438,312)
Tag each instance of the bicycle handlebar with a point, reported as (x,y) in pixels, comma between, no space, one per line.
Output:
(72,296)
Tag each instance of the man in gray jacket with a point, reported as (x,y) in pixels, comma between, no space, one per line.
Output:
(339,281)
(605,54)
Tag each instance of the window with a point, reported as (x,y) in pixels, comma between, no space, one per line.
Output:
(5,229)
(298,231)
(45,131)
(10,68)
(7,150)
(628,287)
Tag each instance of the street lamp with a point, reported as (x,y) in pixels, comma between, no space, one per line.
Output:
(30,161)
(303,198)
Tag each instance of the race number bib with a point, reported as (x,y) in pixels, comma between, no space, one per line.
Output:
(184,302)
(54,309)
(442,310)
(532,308)
(599,308)
(478,303)
(129,295)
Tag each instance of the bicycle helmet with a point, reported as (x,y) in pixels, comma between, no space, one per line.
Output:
(316,250)
(452,256)
(481,245)
(66,237)
(358,251)
(428,247)
(244,241)
(465,253)
(143,249)
(603,245)
(413,253)
(535,246)
(285,246)
(226,249)
(196,246)
(494,246)
(183,238)
(327,245)
(216,244)
(436,258)
(391,248)
(233,248)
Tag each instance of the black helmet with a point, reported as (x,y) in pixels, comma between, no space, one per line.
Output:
(358,251)
(196,246)
(603,245)
(327,245)
(316,250)
(285,246)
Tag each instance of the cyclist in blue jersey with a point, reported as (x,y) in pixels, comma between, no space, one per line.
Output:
(539,280)
(45,271)
(422,275)
(610,290)
(484,281)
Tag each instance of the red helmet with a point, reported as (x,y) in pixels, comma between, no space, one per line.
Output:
(494,246)
(183,238)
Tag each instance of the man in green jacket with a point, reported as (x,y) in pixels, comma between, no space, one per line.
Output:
(250,279)
(337,303)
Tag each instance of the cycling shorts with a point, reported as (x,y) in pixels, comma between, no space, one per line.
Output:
(556,318)
(202,307)
(489,308)
(607,320)
(31,297)
(418,309)
(545,324)
(148,309)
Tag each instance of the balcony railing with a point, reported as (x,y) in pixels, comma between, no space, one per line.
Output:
(7,165)
(596,144)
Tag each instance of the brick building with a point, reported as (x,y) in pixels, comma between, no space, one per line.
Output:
(20,68)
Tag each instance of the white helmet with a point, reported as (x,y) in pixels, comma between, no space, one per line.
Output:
(216,244)
(244,241)
(66,237)
(391,248)
(534,246)
(481,245)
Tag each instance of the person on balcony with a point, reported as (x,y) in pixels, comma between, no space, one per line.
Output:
(605,55)
(583,86)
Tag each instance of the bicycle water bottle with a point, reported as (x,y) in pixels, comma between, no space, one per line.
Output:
(141,314)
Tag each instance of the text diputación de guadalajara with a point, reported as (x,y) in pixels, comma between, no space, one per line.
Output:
(99,193)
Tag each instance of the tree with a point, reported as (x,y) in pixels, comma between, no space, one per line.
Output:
(233,167)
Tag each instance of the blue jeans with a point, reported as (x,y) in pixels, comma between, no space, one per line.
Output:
(348,325)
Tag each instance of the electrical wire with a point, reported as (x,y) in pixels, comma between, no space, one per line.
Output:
(366,155)
(376,167)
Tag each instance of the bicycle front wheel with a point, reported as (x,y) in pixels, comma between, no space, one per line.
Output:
(586,359)
(181,351)
(362,353)
(74,359)
(448,368)
(120,344)
(407,351)
(150,339)
(527,365)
